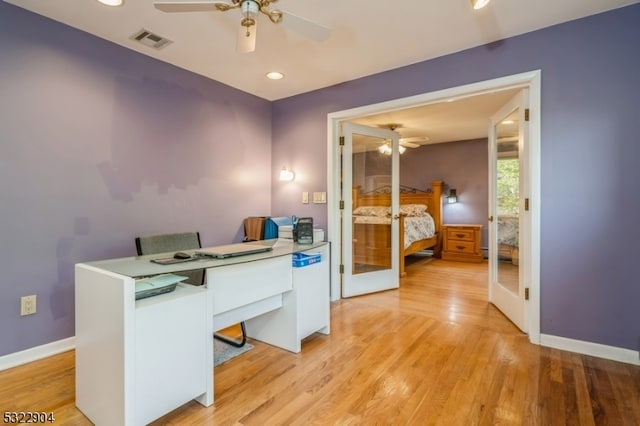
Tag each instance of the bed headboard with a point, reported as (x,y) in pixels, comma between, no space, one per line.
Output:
(381,197)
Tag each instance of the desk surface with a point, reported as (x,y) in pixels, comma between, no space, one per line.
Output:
(141,265)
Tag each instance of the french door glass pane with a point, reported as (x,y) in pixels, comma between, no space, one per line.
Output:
(371,165)
(508,202)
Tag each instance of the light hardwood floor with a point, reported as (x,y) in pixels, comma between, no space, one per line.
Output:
(433,352)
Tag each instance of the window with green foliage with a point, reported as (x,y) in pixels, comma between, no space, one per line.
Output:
(508,173)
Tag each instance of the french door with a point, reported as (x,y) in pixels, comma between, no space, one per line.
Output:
(364,157)
(509,218)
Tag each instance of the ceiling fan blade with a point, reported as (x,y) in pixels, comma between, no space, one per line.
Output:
(246,41)
(413,142)
(408,144)
(304,27)
(193,6)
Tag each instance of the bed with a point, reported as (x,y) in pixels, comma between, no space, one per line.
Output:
(508,238)
(420,224)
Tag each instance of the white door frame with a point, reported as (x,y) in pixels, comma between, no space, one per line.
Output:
(530,80)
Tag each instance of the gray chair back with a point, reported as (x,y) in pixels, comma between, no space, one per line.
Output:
(171,243)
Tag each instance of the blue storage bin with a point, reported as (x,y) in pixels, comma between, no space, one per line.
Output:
(271,226)
(301,260)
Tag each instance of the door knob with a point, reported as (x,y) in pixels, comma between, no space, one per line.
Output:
(490,218)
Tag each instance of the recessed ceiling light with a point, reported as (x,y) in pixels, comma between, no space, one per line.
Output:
(479,4)
(275,75)
(112,2)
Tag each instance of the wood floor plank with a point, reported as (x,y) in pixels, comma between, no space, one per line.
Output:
(432,352)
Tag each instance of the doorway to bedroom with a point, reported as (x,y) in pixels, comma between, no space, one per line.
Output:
(456,108)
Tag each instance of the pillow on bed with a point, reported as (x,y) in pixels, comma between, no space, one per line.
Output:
(379,211)
(414,209)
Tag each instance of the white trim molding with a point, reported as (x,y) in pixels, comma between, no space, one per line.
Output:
(592,349)
(33,354)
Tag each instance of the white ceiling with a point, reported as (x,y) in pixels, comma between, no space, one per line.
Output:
(458,120)
(367,37)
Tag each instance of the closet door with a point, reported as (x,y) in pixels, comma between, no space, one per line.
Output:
(367,268)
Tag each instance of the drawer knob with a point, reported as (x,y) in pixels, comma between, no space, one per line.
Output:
(460,247)
(459,235)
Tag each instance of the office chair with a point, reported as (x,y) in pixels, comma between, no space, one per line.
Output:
(165,243)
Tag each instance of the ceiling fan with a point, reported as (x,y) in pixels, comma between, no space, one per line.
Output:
(248,24)
(412,142)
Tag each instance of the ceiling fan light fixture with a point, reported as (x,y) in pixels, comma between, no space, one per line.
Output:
(112,2)
(479,4)
(250,8)
(386,149)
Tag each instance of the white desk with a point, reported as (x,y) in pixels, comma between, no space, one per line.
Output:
(138,360)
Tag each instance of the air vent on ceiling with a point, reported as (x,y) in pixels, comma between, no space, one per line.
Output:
(150,39)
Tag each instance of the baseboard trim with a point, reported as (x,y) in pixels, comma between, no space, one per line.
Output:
(36,353)
(612,353)
(593,349)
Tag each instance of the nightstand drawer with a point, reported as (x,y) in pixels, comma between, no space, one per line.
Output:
(463,234)
(461,246)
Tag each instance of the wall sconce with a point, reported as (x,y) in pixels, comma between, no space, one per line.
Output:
(286,175)
(452,197)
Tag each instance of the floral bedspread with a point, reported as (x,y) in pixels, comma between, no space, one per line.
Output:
(415,227)
(508,230)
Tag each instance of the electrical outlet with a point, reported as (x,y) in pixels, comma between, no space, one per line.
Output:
(28,305)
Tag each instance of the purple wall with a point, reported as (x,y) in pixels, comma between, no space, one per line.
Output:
(461,165)
(99,144)
(590,118)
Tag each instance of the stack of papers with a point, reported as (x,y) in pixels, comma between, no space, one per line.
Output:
(158,284)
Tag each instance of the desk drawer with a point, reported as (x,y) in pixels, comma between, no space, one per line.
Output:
(234,286)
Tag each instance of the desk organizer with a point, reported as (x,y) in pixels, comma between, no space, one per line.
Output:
(300,260)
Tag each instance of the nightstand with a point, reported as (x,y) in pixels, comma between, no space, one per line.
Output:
(462,243)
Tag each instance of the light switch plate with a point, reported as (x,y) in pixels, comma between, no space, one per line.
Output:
(319,197)
(305,198)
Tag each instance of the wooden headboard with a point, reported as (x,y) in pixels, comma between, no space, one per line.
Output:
(432,198)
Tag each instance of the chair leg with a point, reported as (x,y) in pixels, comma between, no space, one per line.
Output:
(237,343)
